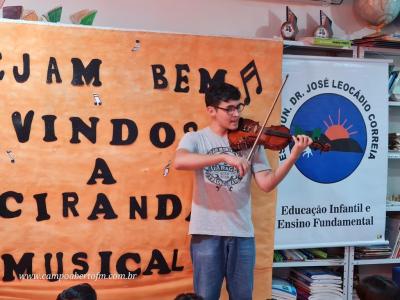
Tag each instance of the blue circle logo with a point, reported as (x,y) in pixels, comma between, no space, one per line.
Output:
(331,120)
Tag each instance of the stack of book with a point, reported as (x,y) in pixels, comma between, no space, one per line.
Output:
(379,40)
(394,141)
(393,235)
(317,283)
(283,290)
(372,252)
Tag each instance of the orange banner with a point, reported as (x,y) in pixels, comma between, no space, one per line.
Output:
(89,119)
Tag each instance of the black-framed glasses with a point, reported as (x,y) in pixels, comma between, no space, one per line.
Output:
(232,108)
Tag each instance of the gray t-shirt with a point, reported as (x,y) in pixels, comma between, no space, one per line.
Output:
(221,203)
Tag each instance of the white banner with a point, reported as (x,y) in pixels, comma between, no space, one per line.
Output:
(335,194)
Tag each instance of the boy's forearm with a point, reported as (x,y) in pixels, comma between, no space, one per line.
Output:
(284,169)
(185,160)
(271,179)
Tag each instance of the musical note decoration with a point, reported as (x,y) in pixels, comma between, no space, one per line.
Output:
(247,73)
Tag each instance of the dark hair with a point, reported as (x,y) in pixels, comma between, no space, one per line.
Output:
(377,287)
(82,291)
(189,296)
(221,91)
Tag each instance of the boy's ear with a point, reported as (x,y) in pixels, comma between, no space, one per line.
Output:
(211,110)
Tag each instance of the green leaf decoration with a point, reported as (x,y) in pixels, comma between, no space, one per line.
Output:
(316,134)
(54,15)
(89,18)
(298,130)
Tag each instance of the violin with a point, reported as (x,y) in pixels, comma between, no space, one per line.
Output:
(273,137)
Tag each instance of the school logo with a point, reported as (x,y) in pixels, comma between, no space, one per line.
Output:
(331,120)
(222,174)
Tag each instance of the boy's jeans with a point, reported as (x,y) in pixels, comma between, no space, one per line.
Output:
(217,257)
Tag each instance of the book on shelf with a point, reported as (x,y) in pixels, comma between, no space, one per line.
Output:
(379,40)
(302,255)
(317,283)
(325,42)
(394,141)
(372,252)
(394,86)
(318,253)
(317,273)
(332,42)
(283,290)
(393,234)
(393,75)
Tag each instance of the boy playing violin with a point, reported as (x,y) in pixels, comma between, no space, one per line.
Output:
(222,242)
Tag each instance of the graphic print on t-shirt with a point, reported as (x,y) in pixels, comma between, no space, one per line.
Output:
(222,174)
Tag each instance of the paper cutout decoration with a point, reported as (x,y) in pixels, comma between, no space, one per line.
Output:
(84,17)
(289,29)
(29,15)
(137,46)
(97,100)
(324,30)
(12,12)
(11,156)
(54,15)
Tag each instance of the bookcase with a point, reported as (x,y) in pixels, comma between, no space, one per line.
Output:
(351,267)
(364,267)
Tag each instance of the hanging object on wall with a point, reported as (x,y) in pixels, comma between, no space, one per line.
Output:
(12,12)
(324,30)
(289,29)
(84,17)
(54,15)
(29,15)
(97,100)
(137,46)
(11,156)
(377,13)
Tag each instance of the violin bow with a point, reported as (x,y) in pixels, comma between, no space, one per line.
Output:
(266,120)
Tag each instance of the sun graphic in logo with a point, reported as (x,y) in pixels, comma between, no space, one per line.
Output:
(333,120)
(338,131)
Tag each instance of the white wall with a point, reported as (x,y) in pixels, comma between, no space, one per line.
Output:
(247,18)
